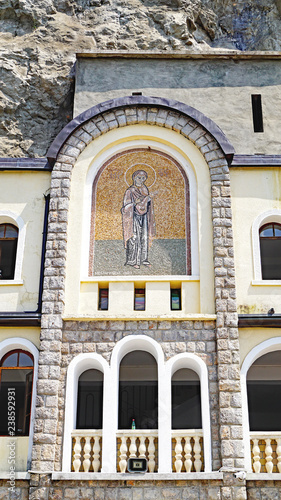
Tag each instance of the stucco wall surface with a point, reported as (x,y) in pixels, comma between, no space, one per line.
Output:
(254,192)
(22,195)
(221,89)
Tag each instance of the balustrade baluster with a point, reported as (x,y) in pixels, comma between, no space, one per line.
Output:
(256,456)
(77,454)
(123,454)
(187,453)
(87,454)
(133,447)
(278,452)
(96,452)
(142,447)
(178,455)
(151,454)
(197,454)
(268,456)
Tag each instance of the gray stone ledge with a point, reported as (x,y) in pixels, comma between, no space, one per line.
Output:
(147,476)
(252,476)
(18,475)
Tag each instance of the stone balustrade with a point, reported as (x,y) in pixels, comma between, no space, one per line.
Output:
(86,450)
(188,450)
(266,451)
(137,443)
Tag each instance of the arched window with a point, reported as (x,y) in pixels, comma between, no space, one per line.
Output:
(186,400)
(90,400)
(16,378)
(270,248)
(264,393)
(138,391)
(8,250)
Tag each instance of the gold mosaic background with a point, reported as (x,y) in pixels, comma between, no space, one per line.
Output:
(165,183)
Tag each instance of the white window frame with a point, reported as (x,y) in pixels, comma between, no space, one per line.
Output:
(130,343)
(12,344)
(264,218)
(8,217)
(270,345)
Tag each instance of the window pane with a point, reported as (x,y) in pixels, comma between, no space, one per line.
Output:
(21,382)
(7,258)
(267,231)
(186,400)
(264,399)
(277,230)
(271,258)
(11,360)
(2,230)
(90,400)
(138,391)
(11,231)
(25,360)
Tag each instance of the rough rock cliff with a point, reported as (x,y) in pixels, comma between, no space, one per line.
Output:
(39,40)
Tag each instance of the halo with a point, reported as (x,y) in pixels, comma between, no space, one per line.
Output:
(151,174)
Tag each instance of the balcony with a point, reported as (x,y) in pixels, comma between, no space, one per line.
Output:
(266,452)
(186,450)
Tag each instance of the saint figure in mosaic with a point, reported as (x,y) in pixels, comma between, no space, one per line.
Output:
(138,221)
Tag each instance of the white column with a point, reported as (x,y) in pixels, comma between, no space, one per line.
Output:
(110,422)
(164,419)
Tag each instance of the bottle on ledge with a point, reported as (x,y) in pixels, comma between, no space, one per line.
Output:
(133,424)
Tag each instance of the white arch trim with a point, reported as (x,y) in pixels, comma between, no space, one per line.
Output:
(6,216)
(20,343)
(81,363)
(273,344)
(193,362)
(264,218)
(131,144)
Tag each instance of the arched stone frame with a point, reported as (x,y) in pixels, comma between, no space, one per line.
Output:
(144,343)
(217,151)
(193,362)
(93,171)
(24,344)
(273,344)
(81,363)
(264,218)
(6,216)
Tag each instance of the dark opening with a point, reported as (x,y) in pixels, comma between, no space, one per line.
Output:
(16,377)
(8,250)
(270,247)
(257,113)
(175,299)
(90,400)
(139,299)
(138,391)
(186,400)
(103,299)
(264,393)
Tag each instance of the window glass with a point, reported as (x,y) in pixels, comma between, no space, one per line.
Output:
(8,248)
(15,393)
(138,391)
(25,359)
(264,393)
(186,400)
(90,400)
(11,360)
(270,248)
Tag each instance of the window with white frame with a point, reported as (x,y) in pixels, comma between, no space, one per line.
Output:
(8,250)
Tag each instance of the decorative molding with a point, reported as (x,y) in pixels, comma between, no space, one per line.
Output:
(34,164)
(256,161)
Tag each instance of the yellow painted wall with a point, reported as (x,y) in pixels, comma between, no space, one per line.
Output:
(203,299)
(29,333)
(23,194)
(251,337)
(20,448)
(254,191)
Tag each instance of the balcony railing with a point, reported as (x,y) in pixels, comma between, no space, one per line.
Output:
(86,445)
(187,450)
(137,443)
(266,452)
